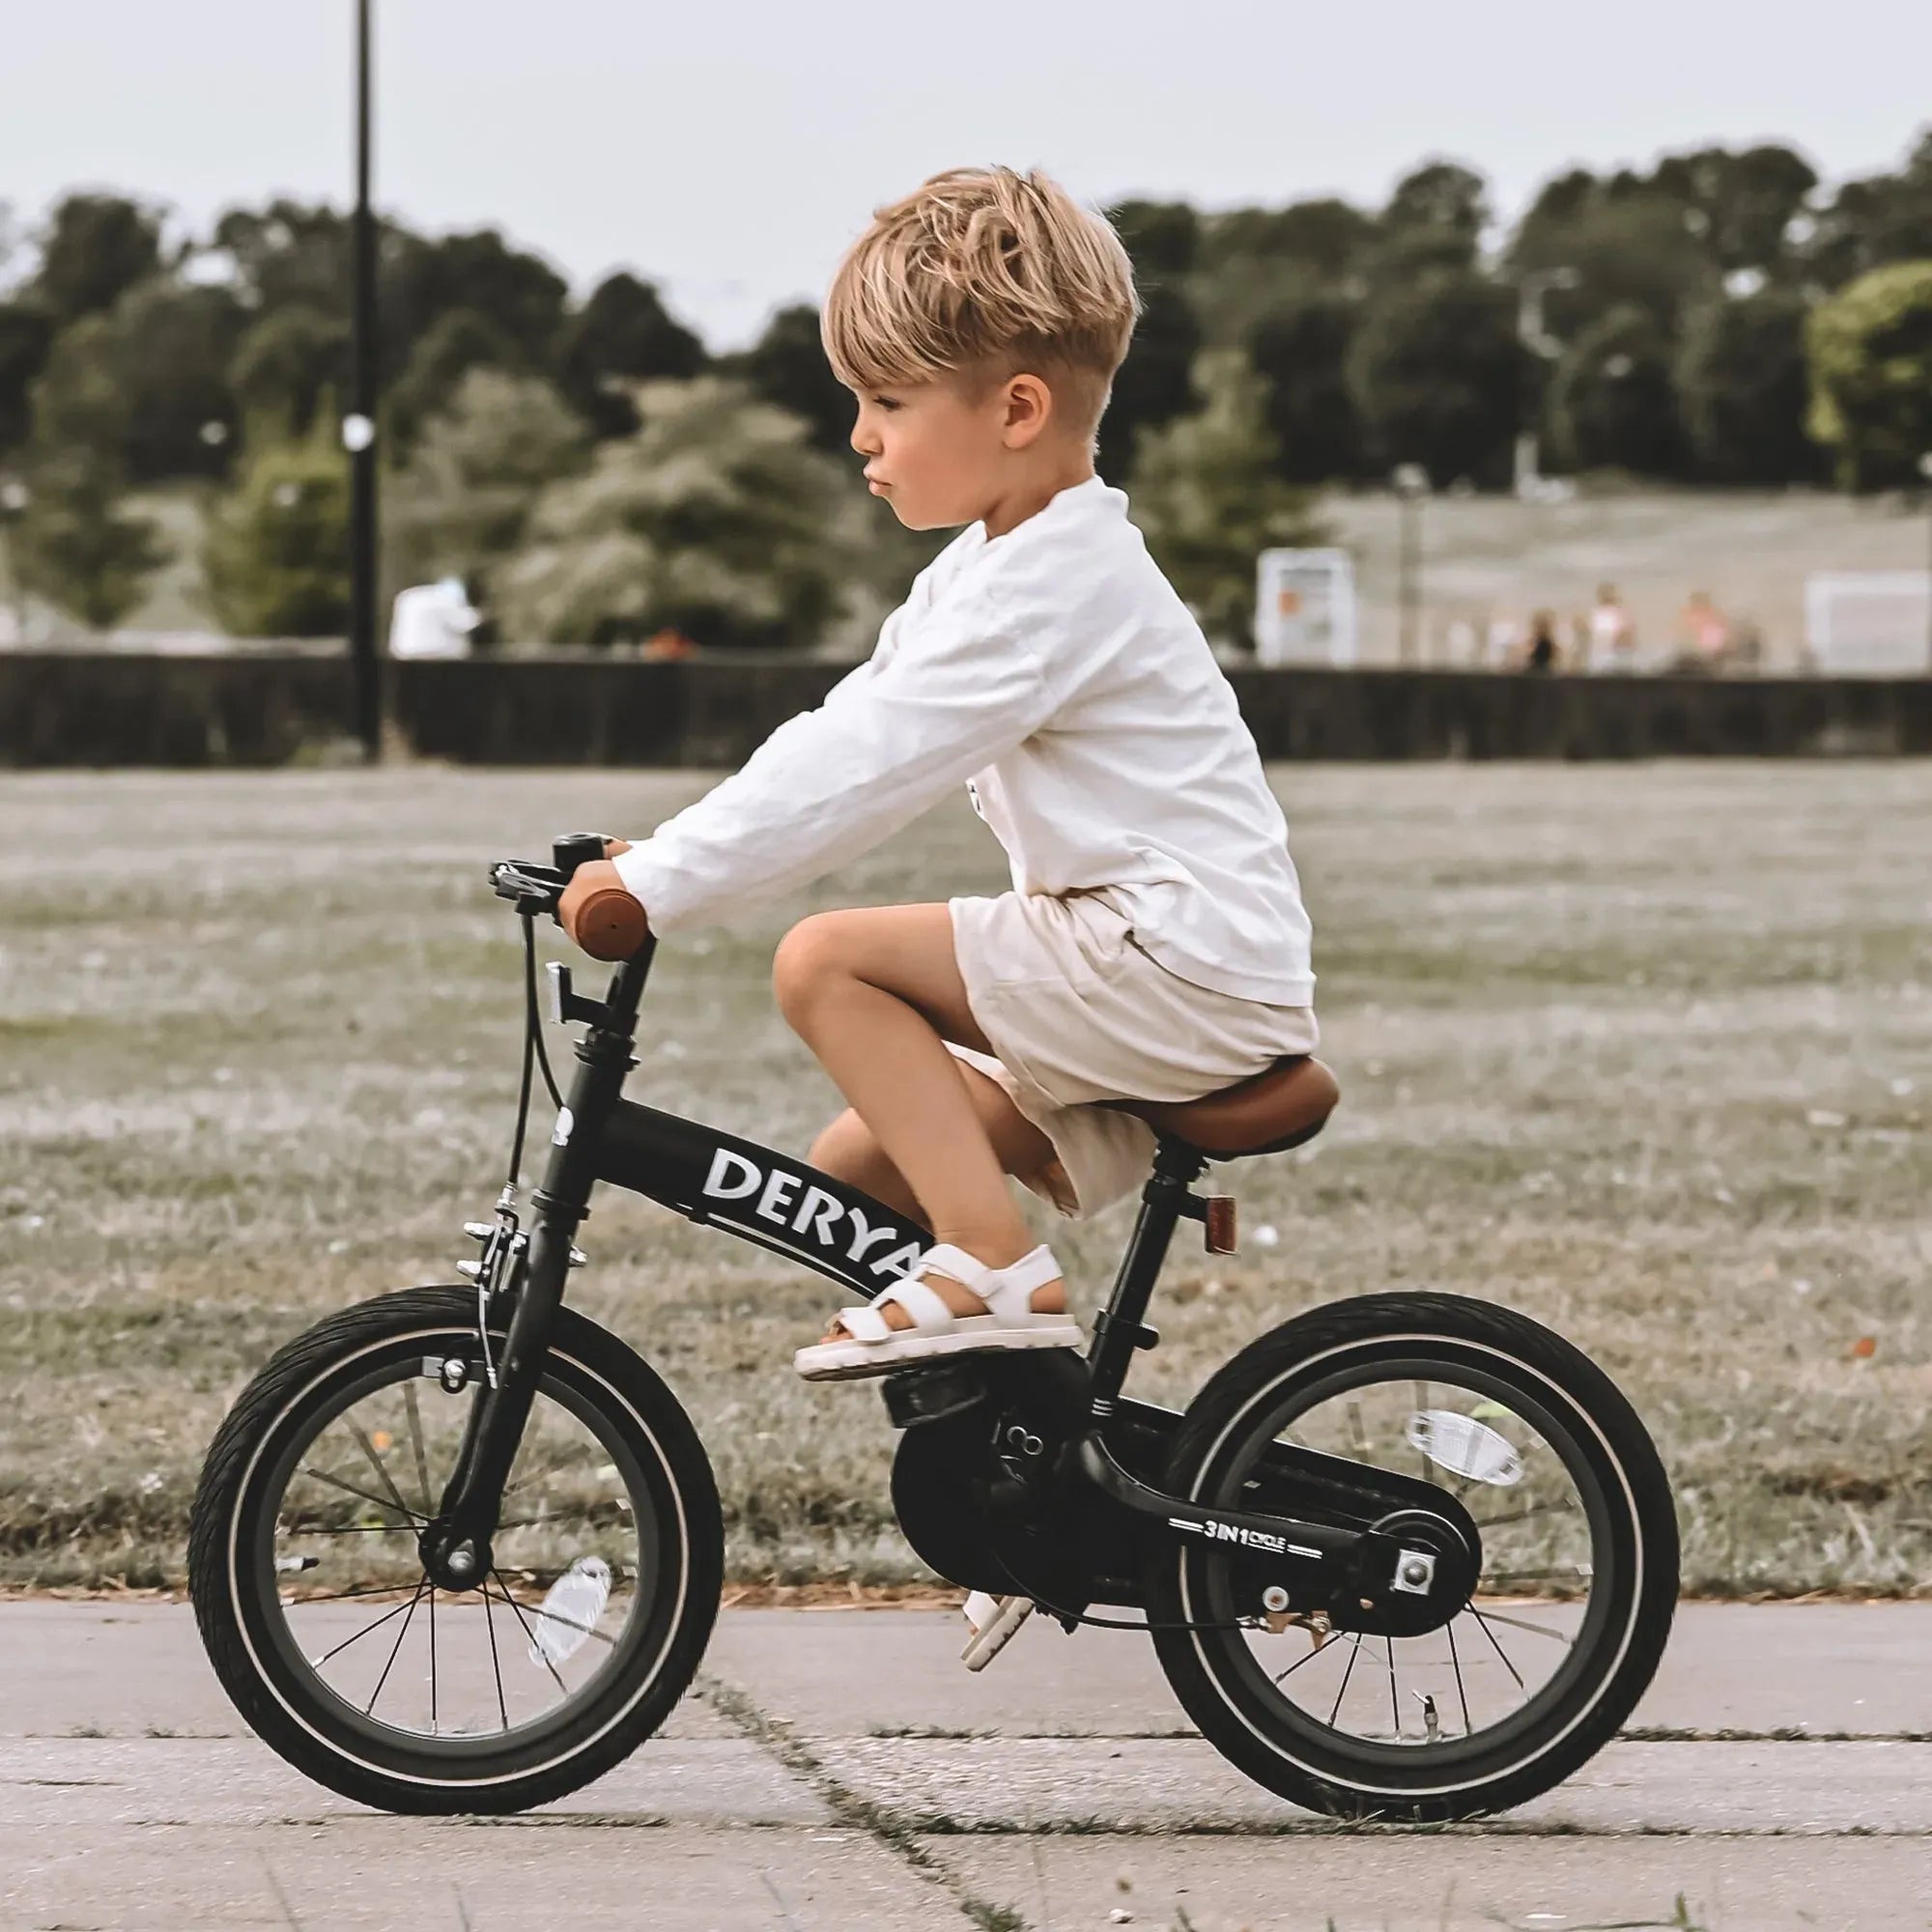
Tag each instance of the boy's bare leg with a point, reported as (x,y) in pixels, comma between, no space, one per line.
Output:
(874,992)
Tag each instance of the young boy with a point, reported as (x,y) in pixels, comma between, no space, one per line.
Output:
(1155,944)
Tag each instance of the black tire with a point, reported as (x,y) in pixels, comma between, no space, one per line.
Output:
(1618,1642)
(619,1400)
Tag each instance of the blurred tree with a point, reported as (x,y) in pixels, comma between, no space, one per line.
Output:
(717,518)
(277,549)
(786,367)
(284,367)
(1433,225)
(1613,405)
(1256,262)
(142,384)
(1438,376)
(1629,246)
(93,248)
(1879,219)
(1300,352)
(291,253)
(1206,496)
(1741,387)
(1746,202)
(76,546)
(26,334)
(456,342)
(622,335)
(1161,238)
(1155,385)
(460,504)
(518,293)
(1870,353)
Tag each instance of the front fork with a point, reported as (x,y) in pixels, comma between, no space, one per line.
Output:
(455,1545)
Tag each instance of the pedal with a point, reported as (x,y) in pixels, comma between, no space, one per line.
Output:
(930,1394)
(1217,1224)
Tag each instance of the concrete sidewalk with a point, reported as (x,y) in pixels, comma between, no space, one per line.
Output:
(838,1770)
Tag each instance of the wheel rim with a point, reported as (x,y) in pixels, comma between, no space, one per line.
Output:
(414,1678)
(1551,1605)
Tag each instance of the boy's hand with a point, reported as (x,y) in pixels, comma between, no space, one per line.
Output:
(599,914)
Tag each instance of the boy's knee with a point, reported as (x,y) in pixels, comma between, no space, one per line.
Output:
(806,957)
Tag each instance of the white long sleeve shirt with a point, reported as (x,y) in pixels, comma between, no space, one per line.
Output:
(1055,673)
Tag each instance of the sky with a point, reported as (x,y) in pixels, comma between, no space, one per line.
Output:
(730,153)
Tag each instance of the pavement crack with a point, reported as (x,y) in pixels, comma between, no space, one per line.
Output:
(890,1829)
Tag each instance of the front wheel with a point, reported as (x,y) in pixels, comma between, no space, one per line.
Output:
(1568,1614)
(339,1651)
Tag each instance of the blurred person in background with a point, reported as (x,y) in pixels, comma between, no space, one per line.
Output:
(1702,636)
(1613,636)
(1541,652)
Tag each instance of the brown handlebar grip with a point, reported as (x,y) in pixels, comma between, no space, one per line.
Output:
(611,924)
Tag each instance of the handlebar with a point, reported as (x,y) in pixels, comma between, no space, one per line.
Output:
(616,930)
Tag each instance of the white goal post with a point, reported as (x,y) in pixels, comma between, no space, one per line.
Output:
(1870,623)
(1305,606)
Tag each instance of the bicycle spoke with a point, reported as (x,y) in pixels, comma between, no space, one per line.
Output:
(1456,1661)
(1524,1514)
(409,1615)
(432,1662)
(1354,1652)
(569,1623)
(1498,1649)
(362,1633)
(489,1624)
(1565,1573)
(361,1529)
(388,1482)
(336,1482)
(416,1442)
(339,1596)
(1300,1661)
(1395,1702)
(1517,1623)
(527,1630)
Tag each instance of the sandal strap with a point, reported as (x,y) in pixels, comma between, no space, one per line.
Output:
(943,1258)
(865,1324)
(929,1312)
(1009,1291)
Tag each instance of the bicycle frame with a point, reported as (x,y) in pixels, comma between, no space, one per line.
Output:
(790,1207)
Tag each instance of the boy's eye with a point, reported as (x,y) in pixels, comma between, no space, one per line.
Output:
(887,402)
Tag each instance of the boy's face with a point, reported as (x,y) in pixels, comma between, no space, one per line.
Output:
(942,452)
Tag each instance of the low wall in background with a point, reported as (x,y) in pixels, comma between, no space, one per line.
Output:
(75,709)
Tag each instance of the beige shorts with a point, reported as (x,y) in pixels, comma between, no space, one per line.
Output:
(1077,1012)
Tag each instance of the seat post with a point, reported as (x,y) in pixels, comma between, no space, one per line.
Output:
(1116,1330)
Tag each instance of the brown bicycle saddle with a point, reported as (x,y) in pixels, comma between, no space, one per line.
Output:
(1267,1114)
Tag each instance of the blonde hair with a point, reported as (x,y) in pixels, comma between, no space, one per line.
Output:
(985,271)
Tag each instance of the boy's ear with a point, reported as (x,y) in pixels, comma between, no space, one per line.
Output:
(1029,409)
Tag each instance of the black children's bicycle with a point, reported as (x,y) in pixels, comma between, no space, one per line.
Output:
(458,1548)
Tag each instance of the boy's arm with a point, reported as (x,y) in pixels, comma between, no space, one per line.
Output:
(891,740)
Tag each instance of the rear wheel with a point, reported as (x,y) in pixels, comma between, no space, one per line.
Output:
(1568,1616)
(335,1646)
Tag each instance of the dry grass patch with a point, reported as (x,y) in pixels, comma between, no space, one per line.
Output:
(1644,1051)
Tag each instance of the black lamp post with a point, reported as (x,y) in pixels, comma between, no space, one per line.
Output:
(359,426)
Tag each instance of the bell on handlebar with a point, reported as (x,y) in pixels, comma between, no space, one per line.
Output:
(575,849)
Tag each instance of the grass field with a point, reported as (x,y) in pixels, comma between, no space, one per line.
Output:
(1644,1051)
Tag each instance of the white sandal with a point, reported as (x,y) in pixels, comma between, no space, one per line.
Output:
(870,1346)
(991,1622)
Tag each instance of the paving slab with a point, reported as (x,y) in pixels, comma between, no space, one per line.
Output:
(137,1669)
(373,1875)
(1453,1883)
(84,1783)
(1183,1785)
(1826,1668)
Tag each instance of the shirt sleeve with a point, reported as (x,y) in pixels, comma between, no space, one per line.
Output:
(891,738)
